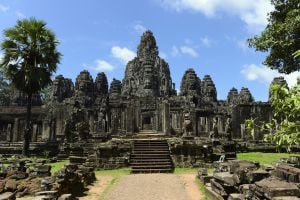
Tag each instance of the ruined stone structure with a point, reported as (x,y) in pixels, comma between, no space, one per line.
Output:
(144,101)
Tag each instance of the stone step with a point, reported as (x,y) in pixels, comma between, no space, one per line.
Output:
(151,156)
(151,144)
(150,152)
(151,147)
(152,167)
(169,170)
(150,160)
(151,163)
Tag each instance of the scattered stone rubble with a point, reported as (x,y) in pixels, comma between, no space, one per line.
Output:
(21,177)
(240,179)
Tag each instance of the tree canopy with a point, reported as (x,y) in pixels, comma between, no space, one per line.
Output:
(284,129)
(5,90)
(30,58)
(30,55)
(281,37)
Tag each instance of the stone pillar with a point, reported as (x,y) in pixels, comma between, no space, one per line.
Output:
(243,131)
(59,124)
(15,130)
(34,133)
(129,119)
(46,131)
(8,133)
(207,124)
(166,118)
(53,131)
(91,122)
(203,124)
(220,124)
(194,123)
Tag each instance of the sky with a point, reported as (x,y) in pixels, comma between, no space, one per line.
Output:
(207,35)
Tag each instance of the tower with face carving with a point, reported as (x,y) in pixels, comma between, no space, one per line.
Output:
(147,74)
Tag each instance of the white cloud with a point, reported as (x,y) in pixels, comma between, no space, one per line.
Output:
(242,44)
(252,12)
(102,65)
(185,49)
(189,51)
(4,8)
(206,41)
(174,51)
(123,54)
(265,75)
(20,15)
(139,28)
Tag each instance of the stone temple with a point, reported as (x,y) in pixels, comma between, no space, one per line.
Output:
(144,104)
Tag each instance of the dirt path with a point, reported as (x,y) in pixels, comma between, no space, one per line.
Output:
(190,185)
(156,187)
(98,187)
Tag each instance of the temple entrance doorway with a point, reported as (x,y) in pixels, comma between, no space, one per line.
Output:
(147,122)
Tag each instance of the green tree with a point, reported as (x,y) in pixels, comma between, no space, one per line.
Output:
(286,108)
(284,128)
(30,58)
(281,37)
(46,94)
(5,90)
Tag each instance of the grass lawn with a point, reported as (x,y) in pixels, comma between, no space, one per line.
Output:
(55,167)
(184,170)
(263,158)
(114,172)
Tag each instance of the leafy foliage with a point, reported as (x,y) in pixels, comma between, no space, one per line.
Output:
(249,124)
(281,37)
(284,128)
(30,58)
(30,55)
(296,54)
(5,91)
(46,94)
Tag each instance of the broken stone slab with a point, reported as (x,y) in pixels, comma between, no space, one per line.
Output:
(288,173)
(205,179)
(236,196)
(43,170)
(47,194)
(222,189)
(272,187)
(202,172)
(285,198)
(66,197)
(237,166)
(257,175)
(268,167)
(7,196)
(227,178)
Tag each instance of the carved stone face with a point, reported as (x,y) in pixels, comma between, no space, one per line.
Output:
(56,91)
(148,78)
(192,82)
(186,116)
(82,86)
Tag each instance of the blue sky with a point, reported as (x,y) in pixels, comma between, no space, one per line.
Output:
(208,35)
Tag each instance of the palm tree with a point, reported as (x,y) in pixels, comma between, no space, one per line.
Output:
(30,58)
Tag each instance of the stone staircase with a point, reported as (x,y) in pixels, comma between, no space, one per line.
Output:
(151,156)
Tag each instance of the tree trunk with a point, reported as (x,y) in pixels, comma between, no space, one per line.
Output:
(27,130)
